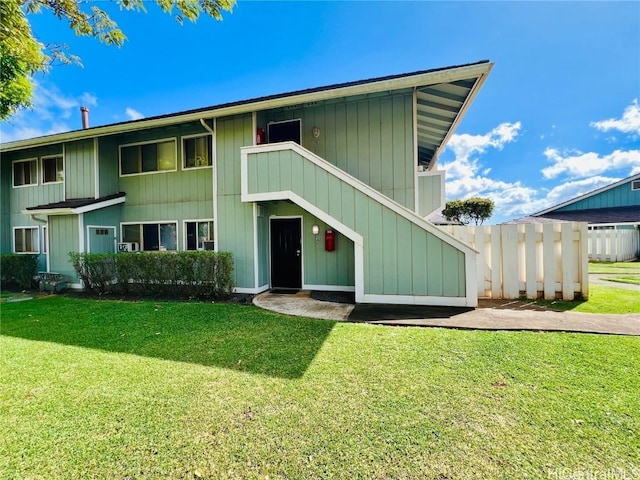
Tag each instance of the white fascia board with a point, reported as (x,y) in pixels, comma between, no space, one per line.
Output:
(423,79)
(76,211)
(461,113)
(587,195)
(419,300)
(354,182)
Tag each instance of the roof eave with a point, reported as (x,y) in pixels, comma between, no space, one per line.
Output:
(587,195)
(410,81)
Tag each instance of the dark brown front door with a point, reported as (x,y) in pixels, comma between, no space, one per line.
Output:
(286,253)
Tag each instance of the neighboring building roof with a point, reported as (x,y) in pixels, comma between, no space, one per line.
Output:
(77,205)
(599,216)
(443,95)
(588,194)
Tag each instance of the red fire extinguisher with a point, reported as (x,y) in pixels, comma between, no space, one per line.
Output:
(260,137)
(329,241)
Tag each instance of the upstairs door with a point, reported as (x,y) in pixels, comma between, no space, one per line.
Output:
(286,253)
(101,239)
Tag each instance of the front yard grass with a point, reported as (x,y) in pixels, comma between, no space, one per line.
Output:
(108,389)
(615,267)
(602,299)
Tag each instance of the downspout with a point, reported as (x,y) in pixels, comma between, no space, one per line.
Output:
(206,127)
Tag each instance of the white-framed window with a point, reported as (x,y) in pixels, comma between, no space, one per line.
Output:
(635,185)
(26,240)
(199,235)
(152,236)
(197,151)
(52,169)
(148,157)
(25,172)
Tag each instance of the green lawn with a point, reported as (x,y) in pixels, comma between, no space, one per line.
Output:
(602,299)
(615,267)
(635,280)
(107,389)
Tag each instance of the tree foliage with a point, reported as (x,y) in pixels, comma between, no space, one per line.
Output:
(22,55)
(474,209)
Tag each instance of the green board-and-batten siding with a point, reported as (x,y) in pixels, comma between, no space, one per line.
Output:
(620,196)
(430,193)
(400,257)
(79,164)
(370,137)
(235,219)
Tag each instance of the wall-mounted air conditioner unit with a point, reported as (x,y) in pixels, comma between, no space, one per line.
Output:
(209,245)
(128,247)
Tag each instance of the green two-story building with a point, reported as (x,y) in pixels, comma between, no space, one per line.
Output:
(319,189)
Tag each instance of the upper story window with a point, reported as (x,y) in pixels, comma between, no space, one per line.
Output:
(25,240)
(52,169)
(25,172)
(197,151)
(148,157)
(635,185)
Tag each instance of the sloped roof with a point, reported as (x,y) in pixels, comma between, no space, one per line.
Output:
(443,95)
(77,205)
(593,216)
(588,194)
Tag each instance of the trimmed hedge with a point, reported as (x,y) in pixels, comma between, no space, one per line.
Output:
(180,274)
(17,271)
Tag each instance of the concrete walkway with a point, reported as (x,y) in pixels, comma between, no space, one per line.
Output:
(490,315)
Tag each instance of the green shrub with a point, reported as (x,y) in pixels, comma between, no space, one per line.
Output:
(17,272)
(179,274)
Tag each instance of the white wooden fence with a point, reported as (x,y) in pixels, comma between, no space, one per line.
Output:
(535,260)
(613,245)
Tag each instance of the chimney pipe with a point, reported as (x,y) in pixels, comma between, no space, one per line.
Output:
(85,117)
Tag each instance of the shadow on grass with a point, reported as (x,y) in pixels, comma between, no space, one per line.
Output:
(239,337)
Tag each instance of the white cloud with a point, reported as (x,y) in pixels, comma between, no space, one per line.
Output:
(49,114)
(580,165)
(89,100)
(467,177)
(629,123)
(133,114)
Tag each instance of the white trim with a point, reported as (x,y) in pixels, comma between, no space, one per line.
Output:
(150,142)
(285,217)
(443,75)
(260,289)
(214,181)
(48,254)
(183,159)
(96,169)
(345,177)
(81,238)
(64,179)
(154,222)
(13,173)
(470,295)
(328,288)
(25,227)
(461,112)
(48,157)
(419,300)
(115,238)
(184,232)
(256,263)
(414,132)
(588,194)
(77,210)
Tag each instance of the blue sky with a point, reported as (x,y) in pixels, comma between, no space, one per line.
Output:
(557,117)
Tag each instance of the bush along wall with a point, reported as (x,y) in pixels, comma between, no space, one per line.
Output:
(17,272)
(155,274)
